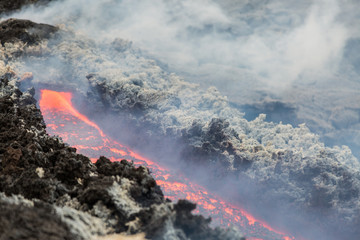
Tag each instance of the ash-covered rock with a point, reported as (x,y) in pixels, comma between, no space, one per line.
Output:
(183,219)
(15,30)
(23,219)
(48,191)
(9,6)
(289,168)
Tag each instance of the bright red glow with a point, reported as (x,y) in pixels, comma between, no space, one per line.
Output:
(64,120)
(61,101)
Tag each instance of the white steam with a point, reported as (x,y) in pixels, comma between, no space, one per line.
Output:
(204,38)
(319,43)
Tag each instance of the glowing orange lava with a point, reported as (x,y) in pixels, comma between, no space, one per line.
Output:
(61,101)
(64,120)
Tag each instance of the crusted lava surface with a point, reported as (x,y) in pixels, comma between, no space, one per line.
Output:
(48,191)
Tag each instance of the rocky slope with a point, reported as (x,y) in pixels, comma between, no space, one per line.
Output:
(48,191)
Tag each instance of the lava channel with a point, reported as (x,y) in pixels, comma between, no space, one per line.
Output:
(63,120)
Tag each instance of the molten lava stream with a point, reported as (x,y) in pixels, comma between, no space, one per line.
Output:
(64,120)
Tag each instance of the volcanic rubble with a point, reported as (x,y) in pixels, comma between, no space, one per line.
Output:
(48,191)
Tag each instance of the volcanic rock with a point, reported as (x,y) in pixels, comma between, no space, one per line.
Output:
(23,219)
(48,191)
(14,30)
(8,6)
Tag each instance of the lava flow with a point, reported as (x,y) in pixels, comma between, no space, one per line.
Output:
(64,120)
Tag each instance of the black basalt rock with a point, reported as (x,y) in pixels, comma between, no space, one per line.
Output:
(15,30)
(26,222)
(10,6)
